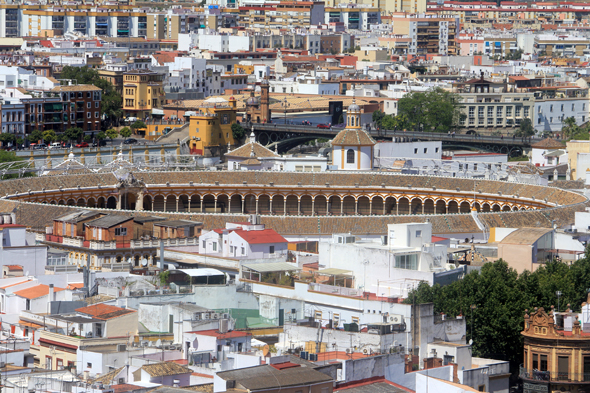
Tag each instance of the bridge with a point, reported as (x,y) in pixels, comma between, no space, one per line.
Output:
(287,136)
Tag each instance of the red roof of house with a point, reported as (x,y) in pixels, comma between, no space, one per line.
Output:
(435,239)
(14,284)
(264,236)
(104,311)
(36,291)
(14,267)
(221,336)
(11,226)
(75,285)
(46,43)
(282,366)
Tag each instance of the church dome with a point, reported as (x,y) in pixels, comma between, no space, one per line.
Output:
(354,107)
(252,101)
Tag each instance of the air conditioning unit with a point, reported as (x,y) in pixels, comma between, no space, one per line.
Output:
(215,316)
(121,348)
(89,335)
(395,319)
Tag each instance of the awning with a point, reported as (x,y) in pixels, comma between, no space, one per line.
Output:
(271,267)
(204,272)
(190,113)
(335,272)
(159,112)
(457,250)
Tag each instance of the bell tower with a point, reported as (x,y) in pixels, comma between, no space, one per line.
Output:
(265,100)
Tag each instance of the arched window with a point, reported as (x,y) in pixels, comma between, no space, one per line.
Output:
(350,156)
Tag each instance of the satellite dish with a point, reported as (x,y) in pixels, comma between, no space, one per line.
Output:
(144,262)
(266,351)
(470,341)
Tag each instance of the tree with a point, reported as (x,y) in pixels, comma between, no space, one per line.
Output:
(516,55)
(35,136)
(111,103)
(377,117)
(137,125)
(112,133)
(101,136)
(73,133)
(87,138)
(501,297)
(526,129)
(49,136)
(237,131)
(125,132)
(435,110)
(20,141)
(570,127)
(6,138)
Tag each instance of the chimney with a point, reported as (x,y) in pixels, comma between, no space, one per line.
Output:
(51,293)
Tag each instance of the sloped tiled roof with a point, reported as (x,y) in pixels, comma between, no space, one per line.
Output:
(264,236)
(36,291)
(165,368)
(250,161)
(246,150)
(109,377)
(353,137)
(548,143)
(77,88)
(525,236)
(104,311)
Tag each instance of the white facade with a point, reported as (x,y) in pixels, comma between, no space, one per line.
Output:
(386,153)
(409,255)
(551,113)
(352,158)
(546,157)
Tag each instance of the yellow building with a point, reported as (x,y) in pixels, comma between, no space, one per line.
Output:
(142,92)
(210,128)
(556,352)
(574,148)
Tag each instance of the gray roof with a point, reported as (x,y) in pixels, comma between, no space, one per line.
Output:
(78,216)
(271,267)
(143,220)
(177,223)
(185,306)
(267,377)
(377,387)
(78,319)
(109,221)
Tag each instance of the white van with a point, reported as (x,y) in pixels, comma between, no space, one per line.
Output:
(55,145)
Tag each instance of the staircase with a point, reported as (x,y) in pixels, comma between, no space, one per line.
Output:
(175,134)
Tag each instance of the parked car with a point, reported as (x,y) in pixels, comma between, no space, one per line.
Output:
(55,145)
(323,126)
(83,144)
(40,146)
(99,143)
(67,145)
(130,141)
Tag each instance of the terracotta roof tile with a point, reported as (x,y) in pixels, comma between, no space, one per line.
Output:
(104,311)
(264,236)
(165,368)
(353,137)
(548,143)
(36,291)
(246,150)
(77,88)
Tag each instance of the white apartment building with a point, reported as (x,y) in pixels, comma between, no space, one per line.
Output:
(353,16)
(213,42)
(553,107)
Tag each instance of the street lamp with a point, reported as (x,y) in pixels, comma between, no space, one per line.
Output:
(285,104)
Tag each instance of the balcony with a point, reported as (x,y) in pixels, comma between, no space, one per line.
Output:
(548,376)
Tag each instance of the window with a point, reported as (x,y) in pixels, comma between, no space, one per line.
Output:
(120,231)
(214,246)
(96,114)
(418,233)
(88,105)
(425,150)
(550,108)
(48,362)
(88,365)
(271,250)
(416,151)
(350,156)
(409,262)
(543,363)
(59,364)
(204,244)
(243,251)
(27,304)
(96,104)
(562,107)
